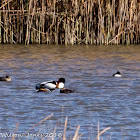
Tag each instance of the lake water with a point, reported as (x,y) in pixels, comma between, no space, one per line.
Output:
(98,97)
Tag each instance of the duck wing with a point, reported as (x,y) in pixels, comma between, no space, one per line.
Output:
(49,85)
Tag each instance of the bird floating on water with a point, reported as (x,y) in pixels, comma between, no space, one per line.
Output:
(64,90)
(6,78)
(117,74)
(50,85)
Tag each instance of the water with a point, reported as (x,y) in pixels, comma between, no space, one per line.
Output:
(98,97)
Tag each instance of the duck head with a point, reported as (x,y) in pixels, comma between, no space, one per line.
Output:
(60,83)
(118,72)
(8,78)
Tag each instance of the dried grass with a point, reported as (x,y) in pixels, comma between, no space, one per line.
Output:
(75,137)
(70,21)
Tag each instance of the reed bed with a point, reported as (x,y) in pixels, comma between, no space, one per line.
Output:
(76,136)
(70,21)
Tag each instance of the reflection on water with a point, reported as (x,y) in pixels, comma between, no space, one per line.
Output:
(114,102)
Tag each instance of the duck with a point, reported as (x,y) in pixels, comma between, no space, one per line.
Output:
(64,90)
(46,86)
(117,74)
(50,85)
(6,78)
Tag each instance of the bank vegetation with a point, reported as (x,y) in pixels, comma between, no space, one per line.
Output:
(70,21)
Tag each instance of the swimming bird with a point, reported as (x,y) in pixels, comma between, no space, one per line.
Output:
(64,90)
(46,86)
(50,85)
(6,78)
(117,74)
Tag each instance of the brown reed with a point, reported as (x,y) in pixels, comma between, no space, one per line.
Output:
(65,126)
(75,137)
(70,21)
(100,133)
(15,130)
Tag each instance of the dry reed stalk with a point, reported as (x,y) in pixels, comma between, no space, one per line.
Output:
(5,3)
(7,33)
(65,127)
(57,31)
(4,25)
(100,24)
(0,28)
(39,41)
(100,133)
(66,32)
(72,33)
(122,32)
(43,19)
(121,7)
(15,130)
(27,28)
(77,31)
(38,124)
(114,20)
(80,29)
(98,128)
(54,133)
(30,19)
(76,136)
(76,8)
(131,16)
(109,25)
(54,2)
(11,32)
